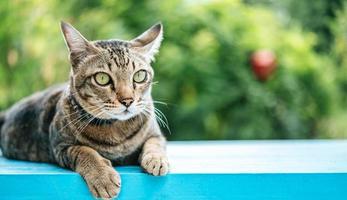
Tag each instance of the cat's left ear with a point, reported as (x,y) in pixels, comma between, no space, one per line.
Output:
(79,47)
(148,43)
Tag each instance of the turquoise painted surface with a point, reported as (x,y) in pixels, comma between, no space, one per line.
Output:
(204,170)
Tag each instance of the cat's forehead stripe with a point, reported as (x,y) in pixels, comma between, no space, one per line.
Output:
(118,52)
(133,64)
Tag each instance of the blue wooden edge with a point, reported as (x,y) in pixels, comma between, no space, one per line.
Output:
(203,170)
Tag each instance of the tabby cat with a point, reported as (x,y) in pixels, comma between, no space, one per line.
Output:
(103,116)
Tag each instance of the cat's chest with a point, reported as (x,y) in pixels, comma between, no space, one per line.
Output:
(114,143)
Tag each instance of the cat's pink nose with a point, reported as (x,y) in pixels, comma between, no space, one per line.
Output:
(127,101)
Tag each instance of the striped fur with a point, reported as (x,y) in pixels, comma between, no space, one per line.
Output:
(87,127)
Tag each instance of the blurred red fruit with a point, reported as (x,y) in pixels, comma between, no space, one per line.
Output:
(263,64)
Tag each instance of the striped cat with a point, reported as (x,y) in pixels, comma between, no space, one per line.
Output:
(103,116)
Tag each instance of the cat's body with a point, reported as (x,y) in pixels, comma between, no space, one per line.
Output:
(104,115)
(25,131)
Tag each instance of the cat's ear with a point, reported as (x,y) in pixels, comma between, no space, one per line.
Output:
(148,43)
(79,47)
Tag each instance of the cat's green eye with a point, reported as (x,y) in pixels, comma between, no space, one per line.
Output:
(140,76)
(102,78)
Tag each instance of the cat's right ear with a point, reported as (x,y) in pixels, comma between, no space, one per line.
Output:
(79,47)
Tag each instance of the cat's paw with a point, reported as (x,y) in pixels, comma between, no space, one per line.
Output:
(156,164)
(104,183)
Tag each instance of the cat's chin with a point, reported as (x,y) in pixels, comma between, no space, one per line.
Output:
(122,116)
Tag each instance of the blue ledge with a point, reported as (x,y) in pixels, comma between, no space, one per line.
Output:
(250,170)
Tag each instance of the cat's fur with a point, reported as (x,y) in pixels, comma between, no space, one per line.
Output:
(86,127)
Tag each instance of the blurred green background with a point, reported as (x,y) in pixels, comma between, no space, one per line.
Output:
(203,67)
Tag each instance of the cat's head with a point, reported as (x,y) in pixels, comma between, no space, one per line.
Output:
(111,79)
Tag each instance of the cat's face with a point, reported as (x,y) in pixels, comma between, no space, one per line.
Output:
(112,79)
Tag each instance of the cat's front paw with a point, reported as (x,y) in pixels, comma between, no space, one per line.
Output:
(156,164)
(104,183)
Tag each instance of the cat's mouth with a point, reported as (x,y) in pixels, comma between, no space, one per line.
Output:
(123,115)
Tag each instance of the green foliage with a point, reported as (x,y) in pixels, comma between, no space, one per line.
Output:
(203,66)
(316,17)
(335,126)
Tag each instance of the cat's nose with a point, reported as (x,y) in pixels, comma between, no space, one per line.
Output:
(127,101)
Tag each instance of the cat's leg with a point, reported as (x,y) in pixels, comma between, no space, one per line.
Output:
(102,179)
(153,158)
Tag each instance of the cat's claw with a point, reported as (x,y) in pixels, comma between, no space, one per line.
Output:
(156,164)
(104,183)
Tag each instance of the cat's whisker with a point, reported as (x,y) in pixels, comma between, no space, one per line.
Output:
(76,112)
(78,119)
(161,115)
(81,122)
(90,107)
(74,120)
(156,102)
(90,120)
(154,82)
(81,125)
(85,124)
(160,102)
(161,122)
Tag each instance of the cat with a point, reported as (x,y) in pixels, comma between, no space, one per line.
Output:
(104,116)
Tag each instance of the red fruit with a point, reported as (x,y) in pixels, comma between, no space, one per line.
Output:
(263,64)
